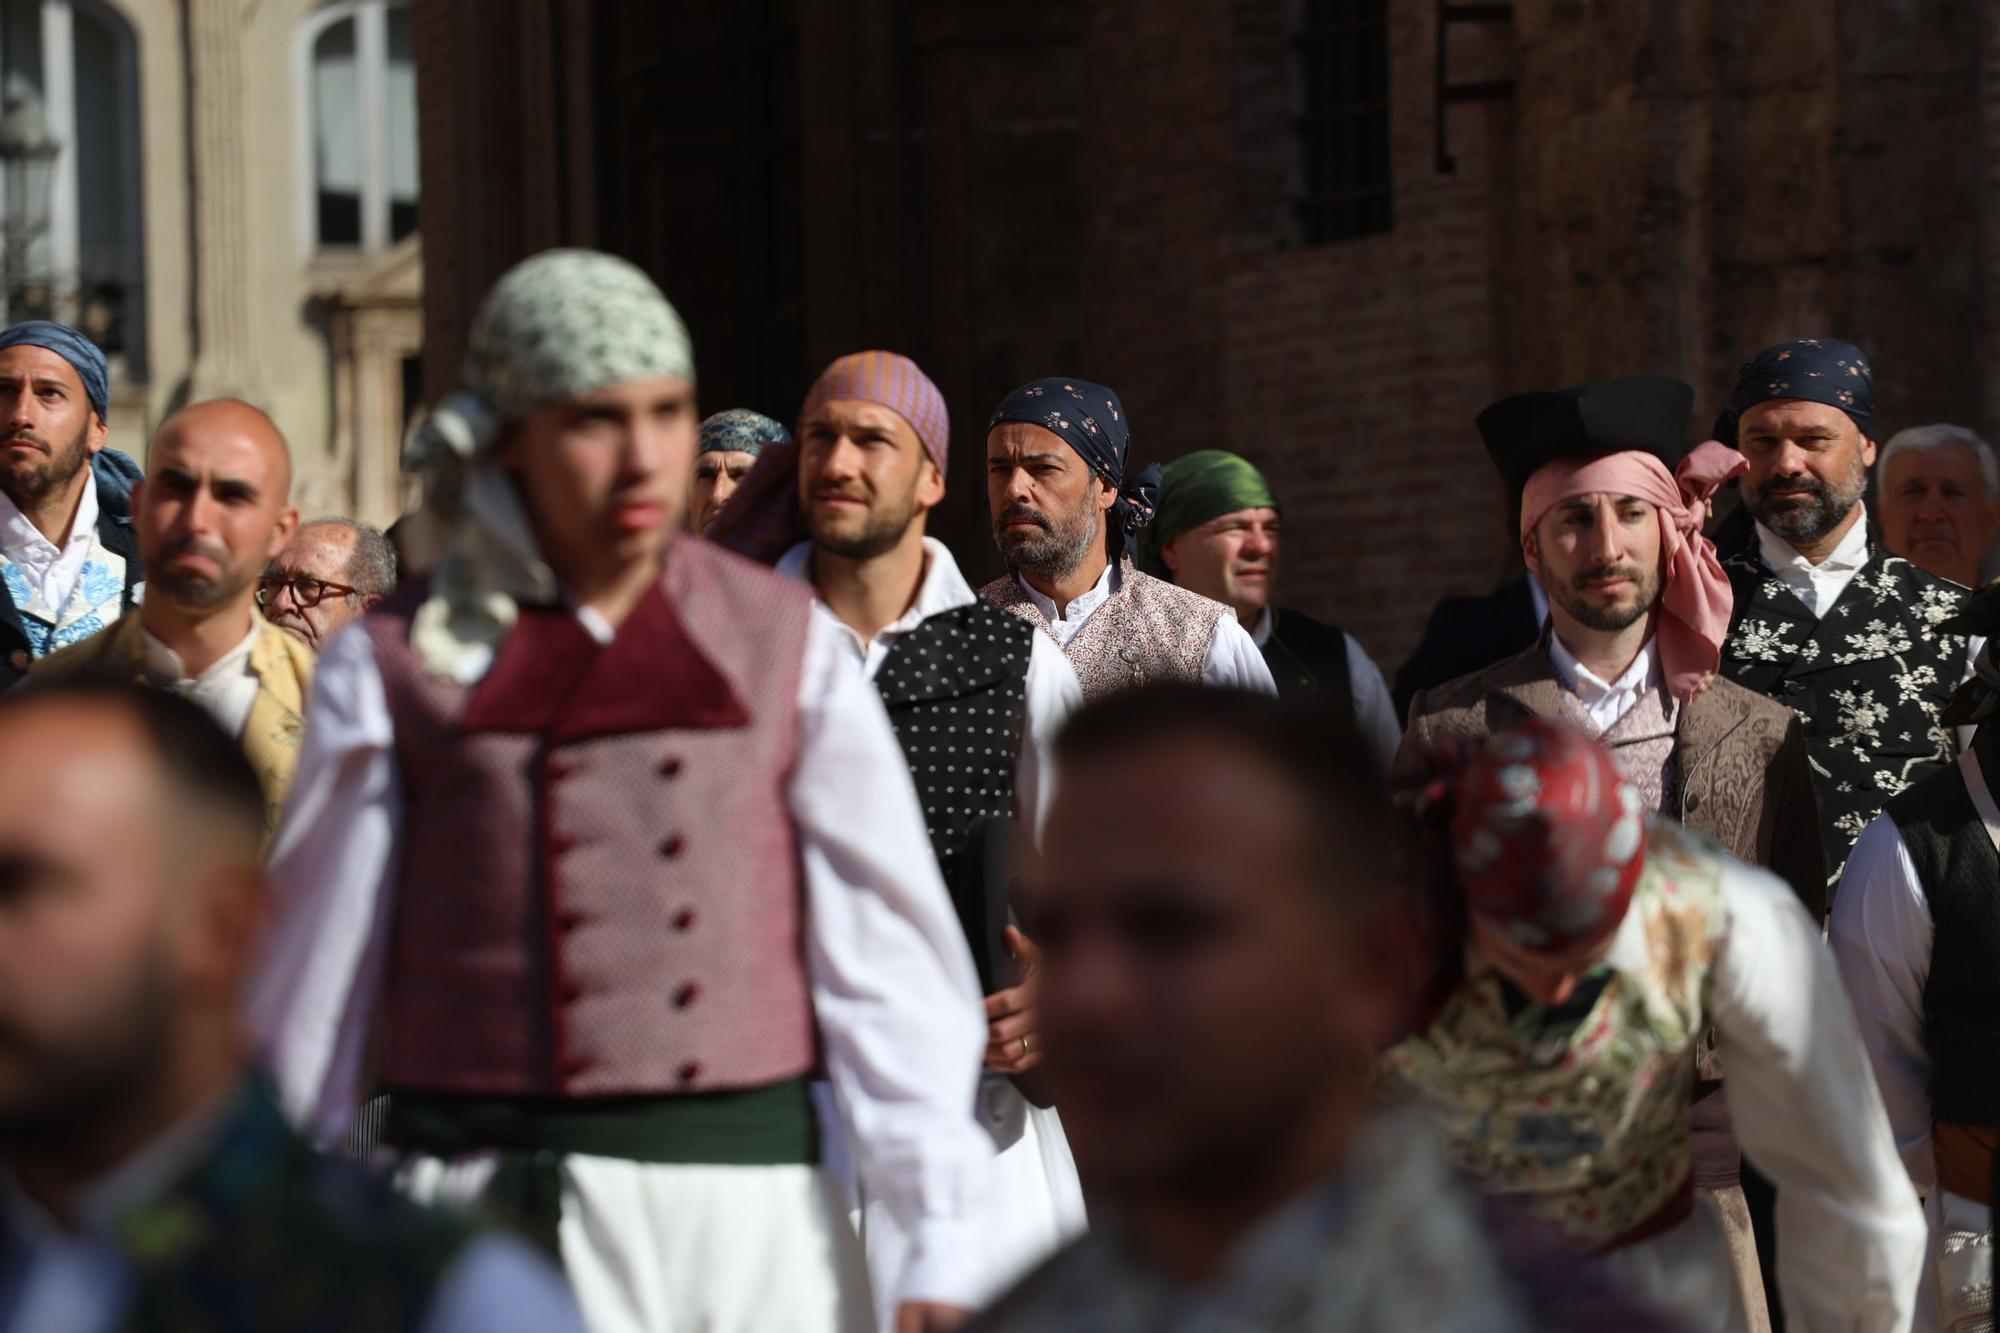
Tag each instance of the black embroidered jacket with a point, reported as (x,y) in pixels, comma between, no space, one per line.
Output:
(1869,681)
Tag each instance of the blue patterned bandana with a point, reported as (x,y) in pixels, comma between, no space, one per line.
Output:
(1816,370)
(82,354)
(1089,419)
(741,431)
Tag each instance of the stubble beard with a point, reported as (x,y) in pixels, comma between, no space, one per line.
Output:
(887,522)
(1609,619)
(1811,519)
(79,1087)
(34,484)
(1057,551)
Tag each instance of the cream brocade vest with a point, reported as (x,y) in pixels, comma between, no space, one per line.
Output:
(1589,1130)
(1641,742)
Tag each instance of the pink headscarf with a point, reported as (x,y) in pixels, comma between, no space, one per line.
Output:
(1695,599)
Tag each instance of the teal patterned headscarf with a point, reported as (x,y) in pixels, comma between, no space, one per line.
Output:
(557,326)
(1201,486)
(738,430)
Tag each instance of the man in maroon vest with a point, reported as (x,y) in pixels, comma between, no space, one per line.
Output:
(506,903)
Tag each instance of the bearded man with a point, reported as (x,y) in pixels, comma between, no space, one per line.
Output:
(1827,621)
(216,510)
(1065,515)
(976,697)
(69,561)
(1611,507)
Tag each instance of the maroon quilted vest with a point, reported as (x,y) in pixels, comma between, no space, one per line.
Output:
(599,891)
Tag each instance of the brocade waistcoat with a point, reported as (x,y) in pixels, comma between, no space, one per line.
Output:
(1641,743)
(599,891)
(1589,1130)
(1960,872)
(1147,632)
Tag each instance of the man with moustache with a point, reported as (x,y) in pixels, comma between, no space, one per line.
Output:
(1827,621)
(69,561)
(1218,532)
(1611,505)
(976,697)
(215,511)
(1065,516)
(148,1180)
(731,442)
(332,571)
(601,851)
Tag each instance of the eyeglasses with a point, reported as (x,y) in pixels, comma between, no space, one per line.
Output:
(307,592)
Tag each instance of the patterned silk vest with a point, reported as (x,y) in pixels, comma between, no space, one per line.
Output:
(600,892)
(1146,632)
(1589,1127)
(956,688)
(1641,742)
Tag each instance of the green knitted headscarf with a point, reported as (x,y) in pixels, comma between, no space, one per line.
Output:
(1204,485)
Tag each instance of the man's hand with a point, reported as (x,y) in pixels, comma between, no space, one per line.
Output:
(930,1317)
(1012,1022)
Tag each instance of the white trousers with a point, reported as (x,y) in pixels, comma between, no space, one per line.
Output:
(1036,1200)
(686,1248)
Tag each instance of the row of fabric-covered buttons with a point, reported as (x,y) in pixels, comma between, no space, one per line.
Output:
(569,919)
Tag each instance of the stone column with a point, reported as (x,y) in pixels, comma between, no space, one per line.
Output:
(225,361)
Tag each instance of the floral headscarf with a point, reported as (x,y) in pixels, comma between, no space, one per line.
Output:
(559,325)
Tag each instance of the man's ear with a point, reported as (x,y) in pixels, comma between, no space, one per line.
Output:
(1531,551)
(1107,494)
(282,531)
(98,434)
(370,600)
(930,486)
(1170,556)
(1867,450)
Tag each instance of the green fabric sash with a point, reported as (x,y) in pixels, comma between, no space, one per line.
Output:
(768,1126)
(1201,486)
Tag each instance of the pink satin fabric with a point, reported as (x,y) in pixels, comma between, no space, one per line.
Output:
(1695,600)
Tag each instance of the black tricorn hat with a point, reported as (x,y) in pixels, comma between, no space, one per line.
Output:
(1647,413)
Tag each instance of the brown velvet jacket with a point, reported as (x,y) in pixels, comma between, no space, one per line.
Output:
(1740,769)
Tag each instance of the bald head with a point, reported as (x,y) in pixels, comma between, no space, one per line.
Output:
(215,506)
(233,424)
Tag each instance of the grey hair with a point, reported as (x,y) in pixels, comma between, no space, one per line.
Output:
(1920,439)
(372,566)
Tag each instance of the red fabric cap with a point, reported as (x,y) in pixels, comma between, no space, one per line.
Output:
(1547,839)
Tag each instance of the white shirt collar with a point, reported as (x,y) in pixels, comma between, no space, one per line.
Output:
(165,664)
(1260,633)
(24,542)
(1080,607)
(1644,673)
(943,589)
(1851,554)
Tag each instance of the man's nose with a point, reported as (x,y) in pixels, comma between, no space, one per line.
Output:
(1258,544)
(725,486)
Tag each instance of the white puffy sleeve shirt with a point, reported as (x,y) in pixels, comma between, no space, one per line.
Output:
(1805,1109)
(893,986)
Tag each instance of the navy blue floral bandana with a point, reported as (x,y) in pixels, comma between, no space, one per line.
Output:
(738,430)
(1818,370)
(1090,419)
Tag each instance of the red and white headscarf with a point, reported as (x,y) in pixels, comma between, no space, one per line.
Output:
(1695,599)
(1547,839)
